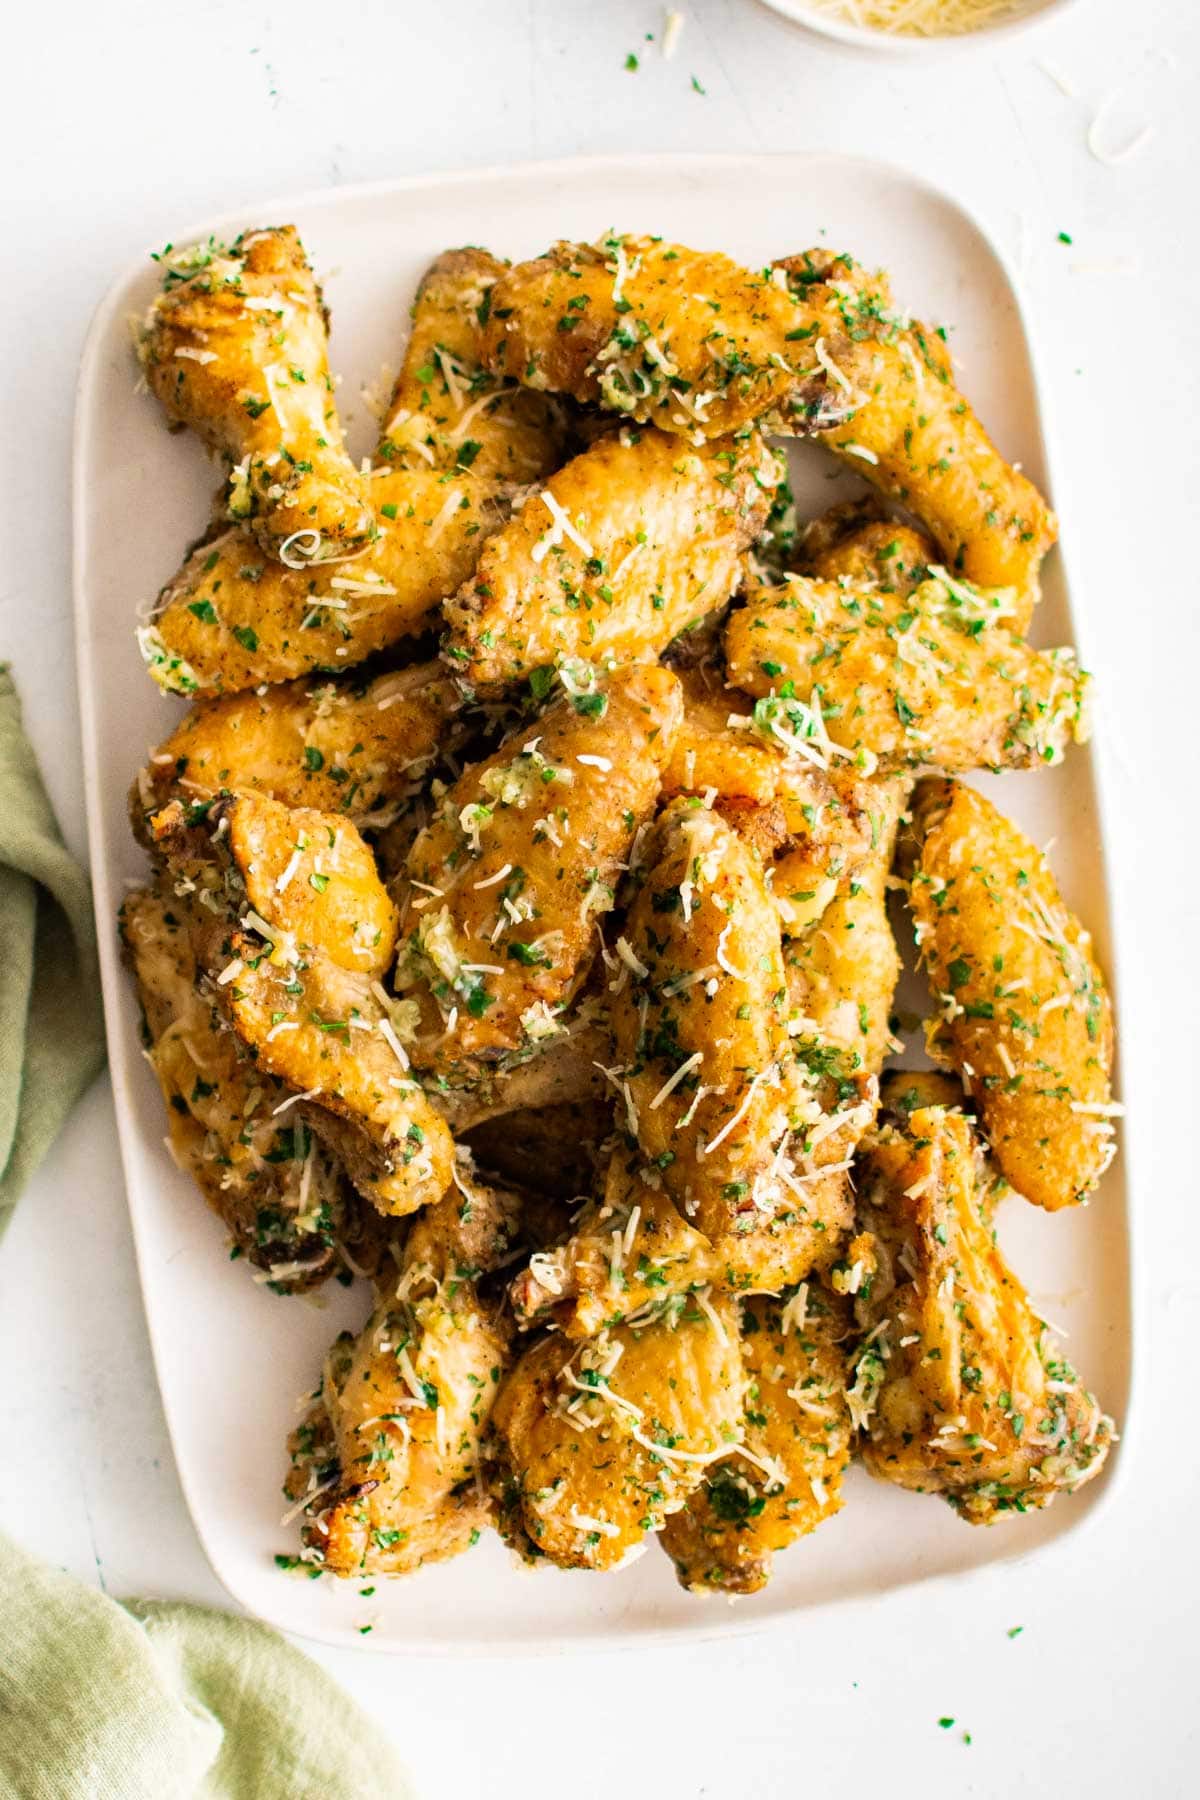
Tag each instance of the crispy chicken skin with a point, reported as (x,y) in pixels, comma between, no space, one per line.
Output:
(741,1128)
(1024,1015)
(631,1254)
(338,1047)
(396,1429)
(599,1441)
(682,339)
(235,346)
(311,876)
(628,545)
(522,858)
(301,987)
(858,543)
(817,823)
(787,1479)
(347,746)
(932,677)
(232,619)
(447,411)
(286,1204)
(842,972)
(912,434)
(958,1387)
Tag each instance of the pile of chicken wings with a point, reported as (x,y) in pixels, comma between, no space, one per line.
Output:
(518,938)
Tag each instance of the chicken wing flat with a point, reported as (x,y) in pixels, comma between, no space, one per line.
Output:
(857,543)
(738,1125)
(599,1441)
(447,411)
(786,1478)
(897,681)
(313,880)
(386,1466)
(1025,1016)
(911,433)
(686,340)
(958,1387)
(235,346)
(354,747)
(284,1201)
(628,545)
(631,1259)
(339,1047)
(232,619)
(522,858)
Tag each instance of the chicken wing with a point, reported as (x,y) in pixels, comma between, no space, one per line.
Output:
(629,1260)
(713,1089)
(842,973)
(284,1201)
(310,877)
(301,987)
(232,619)
(235,346)
(386,1465)
(958,1387)
(913,435)
(786,1478)
(628,545)
(897,681)
(354,747)
(521,860)
(599,1441)
(686,340)
(1025,1016)
(857,543)
(447,411)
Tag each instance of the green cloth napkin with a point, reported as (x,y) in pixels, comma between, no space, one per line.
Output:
(51,1026)
(162,1701)
(146,1700)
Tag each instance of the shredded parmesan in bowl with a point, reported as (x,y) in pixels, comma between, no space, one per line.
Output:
(859,20)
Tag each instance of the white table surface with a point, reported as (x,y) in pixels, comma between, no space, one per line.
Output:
(122,121)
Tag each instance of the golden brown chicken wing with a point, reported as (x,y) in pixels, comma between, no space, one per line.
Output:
(786,1479)
(599,1441)
(235,346)
(1024,1017)
(628,545)
(857,542)
(301,987)
(742,1130)
(386,1466)
(629,1258)
(896,681)
(686,340)
(522,858)
(447,411)
(958,1386)
(913,435)
(842,972)
(232,619)
(284,1201)
(349,746)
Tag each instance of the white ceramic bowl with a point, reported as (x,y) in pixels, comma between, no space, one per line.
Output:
(857,37)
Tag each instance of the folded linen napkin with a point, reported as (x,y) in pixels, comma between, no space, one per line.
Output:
(148,1700)
(156,1700)
(51,1026)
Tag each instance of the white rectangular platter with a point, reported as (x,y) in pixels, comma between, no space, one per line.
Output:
(233,1360)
